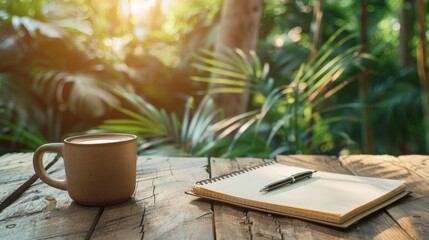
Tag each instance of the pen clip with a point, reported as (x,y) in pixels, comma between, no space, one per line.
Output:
(289,180)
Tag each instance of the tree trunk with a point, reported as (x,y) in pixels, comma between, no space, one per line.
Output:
(422,65)
(316,25)
(316,28)
(366,127)
(405,33)
(239,28)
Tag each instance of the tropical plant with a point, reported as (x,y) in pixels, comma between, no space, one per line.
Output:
(61,62)
(50,80)
(291,117)
(398,105)
(162,133)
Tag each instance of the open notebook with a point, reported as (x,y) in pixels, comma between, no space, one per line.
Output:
(328,198)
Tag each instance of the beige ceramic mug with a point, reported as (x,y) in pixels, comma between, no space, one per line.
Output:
(100,168)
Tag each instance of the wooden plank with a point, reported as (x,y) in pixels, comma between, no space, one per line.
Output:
(377,226)
(15,170)
(419,164)
(411,213)
(318,162)
(233,222)
(230,222)
(261,225)
(159,208)
(16,167)
(45,212)
(386,166)
(17,175)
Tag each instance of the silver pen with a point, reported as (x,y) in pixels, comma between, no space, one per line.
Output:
(289,180)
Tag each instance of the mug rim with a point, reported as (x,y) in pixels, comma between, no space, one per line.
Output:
(69,140)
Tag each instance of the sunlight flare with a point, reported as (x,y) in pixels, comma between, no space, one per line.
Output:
(136,8)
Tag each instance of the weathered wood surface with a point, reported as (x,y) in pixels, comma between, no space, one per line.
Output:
(13,173)
(232,222)
(42,211)
(159,209)
(411,213)
(16,171)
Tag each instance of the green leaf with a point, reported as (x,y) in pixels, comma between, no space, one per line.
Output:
(226,90)
(219,71)
(215,63)
(186,119)
(34,26)
(218,80)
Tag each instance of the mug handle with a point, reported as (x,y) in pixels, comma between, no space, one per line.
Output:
(40,169)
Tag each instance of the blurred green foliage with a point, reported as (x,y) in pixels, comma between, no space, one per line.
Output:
(69,66)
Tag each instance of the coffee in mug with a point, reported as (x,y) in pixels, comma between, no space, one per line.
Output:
(100,168)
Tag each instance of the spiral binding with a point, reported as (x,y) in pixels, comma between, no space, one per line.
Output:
(232,174)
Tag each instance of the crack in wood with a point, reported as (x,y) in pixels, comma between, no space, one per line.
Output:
(249,224)
(205,214)
(208,170)
(397,223)
(142,223)
(170,169)
(153,193)
(94,223)
(278,227)
(140,200)
(209,167)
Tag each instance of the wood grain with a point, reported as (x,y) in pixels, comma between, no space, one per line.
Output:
(15,167)
(159,208)
(15,170)
(320,163)
(45,212)
(233,222)
(230,222)
(411,213)
(386,166)
(18,175)
(418,163)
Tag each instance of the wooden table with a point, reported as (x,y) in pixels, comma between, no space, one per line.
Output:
(159,209)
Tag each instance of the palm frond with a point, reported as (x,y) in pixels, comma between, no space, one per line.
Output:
(87,94)
(158,127)
(34,26)
(312,84)
(234,72)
